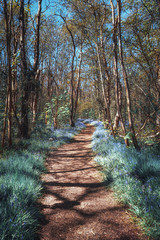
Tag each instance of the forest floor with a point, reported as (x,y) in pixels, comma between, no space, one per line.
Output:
(76,204)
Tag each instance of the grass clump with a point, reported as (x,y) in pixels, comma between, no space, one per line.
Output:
(135,177)
(20,184)
(20,187)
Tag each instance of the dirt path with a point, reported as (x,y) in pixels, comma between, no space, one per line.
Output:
(76,205)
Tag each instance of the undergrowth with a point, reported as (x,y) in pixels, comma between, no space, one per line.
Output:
(135,176)
(20,184)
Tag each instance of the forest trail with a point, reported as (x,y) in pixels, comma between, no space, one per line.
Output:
(76,205)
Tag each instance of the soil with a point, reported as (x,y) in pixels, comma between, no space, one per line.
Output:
(76,204)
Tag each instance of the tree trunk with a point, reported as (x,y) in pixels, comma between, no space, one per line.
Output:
(107,110)
(25,78)
(9,69)
(72,123)
(158,90)
(125,78)
(118,116)
(56,106)
(35,97)
(4,122)
(101,63)
(78,82)
(36,62)
(158,78)
(159,6)
(14,66)
(107,90)
(72,120)
(56,114)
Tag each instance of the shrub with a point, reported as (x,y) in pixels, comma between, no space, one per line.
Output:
(135,177)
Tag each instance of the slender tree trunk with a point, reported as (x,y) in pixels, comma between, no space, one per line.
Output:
(158,90)
(118,116)
(25,80)
(72,120)
(8,19)
(107,110)
(78,82)
(37,37)
(99,94)
(56,114)
(36,62)
(14,66)
(159,6)
(145,122)
(72,123)
(108,84)
(100,56)
(46,117)
(107,89)
(105,67)
(35,97)
(101,78)
(125,78)
(158,78)
(4,122)
(57,106)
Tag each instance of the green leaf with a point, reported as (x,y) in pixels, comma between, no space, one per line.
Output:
(129,136)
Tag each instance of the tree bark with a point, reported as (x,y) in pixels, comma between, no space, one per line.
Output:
(4,122)
(25,78)
(72,123)
(8,19)
(118,116)
(78,82)
(158,78)
(55,119)
(72,120)
(106,96)
(125,78)
(36,62)
(158,90)
(15,33)
(107,89)
(159,6)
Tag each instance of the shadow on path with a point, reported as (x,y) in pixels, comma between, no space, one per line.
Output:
(76,204)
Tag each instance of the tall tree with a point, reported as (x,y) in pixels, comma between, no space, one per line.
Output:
(25,75)
(36,69)
(125,77)
(78,79)
(76,34)
(72,120)
(8,19)
(118,116)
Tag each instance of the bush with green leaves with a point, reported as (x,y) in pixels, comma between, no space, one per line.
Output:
(135,176)
(63,112)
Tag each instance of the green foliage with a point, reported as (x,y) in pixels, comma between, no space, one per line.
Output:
(129,136)
(62,103)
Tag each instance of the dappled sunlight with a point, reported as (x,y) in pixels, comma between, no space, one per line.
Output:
(76,204)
